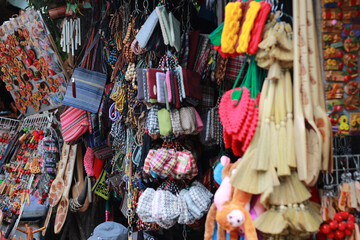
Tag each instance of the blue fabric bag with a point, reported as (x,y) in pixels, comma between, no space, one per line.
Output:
(86,87)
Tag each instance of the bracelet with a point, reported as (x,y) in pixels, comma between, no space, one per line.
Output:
(113,114)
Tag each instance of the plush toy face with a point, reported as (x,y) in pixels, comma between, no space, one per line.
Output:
(230,218)
(236,218)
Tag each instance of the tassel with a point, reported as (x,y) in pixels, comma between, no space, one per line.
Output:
(89,161)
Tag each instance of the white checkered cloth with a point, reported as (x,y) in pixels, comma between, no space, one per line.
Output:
(144,207)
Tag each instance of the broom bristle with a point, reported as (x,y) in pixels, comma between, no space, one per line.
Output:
(281,54)
(271,222)
(307,221)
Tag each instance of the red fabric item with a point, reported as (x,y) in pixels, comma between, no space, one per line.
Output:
(315,196)
(89,161)
(256,33)
(98,167)
(152,82)
(193,43)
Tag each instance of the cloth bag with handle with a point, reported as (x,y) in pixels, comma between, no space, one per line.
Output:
(87,86)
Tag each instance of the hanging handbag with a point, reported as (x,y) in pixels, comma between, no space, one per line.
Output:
(164,117)
(152,122)
(175,122)
(74,123)
(87,86)
(144,206)
(188,120)
(147,29)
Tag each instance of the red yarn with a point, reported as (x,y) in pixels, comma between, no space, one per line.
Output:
(252,129)
(249,117)
(98,167)
(256,33)
(89,161)
(232,117)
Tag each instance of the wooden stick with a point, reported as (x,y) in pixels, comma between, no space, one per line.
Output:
(53,45)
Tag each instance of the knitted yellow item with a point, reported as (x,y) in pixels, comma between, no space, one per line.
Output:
(230,32)
(247,27)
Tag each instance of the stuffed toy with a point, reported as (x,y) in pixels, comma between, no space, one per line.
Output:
(234,214)
(223,195)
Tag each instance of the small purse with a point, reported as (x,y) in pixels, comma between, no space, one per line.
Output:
(144,206)
(175,122)
(175,31)
(188,120)
(74,123)
(199,122)
(160,79)
(152,122)
(164,118)
(147,29)
(185,165)
(161,157)
(164,23)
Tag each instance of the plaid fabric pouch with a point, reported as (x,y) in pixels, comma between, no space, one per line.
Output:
(155,206)
(148,159)
(169,207)
(144,206)
(152,122)
(185,216)
(169,165)
(161,158)
(192,207)
(200,196)
(185,165)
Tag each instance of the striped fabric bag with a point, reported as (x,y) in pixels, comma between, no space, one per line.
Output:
(74,123)
(89,87)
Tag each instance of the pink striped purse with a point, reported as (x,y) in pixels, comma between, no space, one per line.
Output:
(74,123)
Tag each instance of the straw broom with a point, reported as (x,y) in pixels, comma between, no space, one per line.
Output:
(272,221)
(245,177)
(262,158)
(290,191)
(283,167)
(290,148)
(307,221)
(274,136)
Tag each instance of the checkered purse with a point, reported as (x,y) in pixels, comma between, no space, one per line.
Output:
(144,206)
(163,161)
(185,165)
(192,207)
(200,196)
(185,216)
(152,122)
(148,159)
